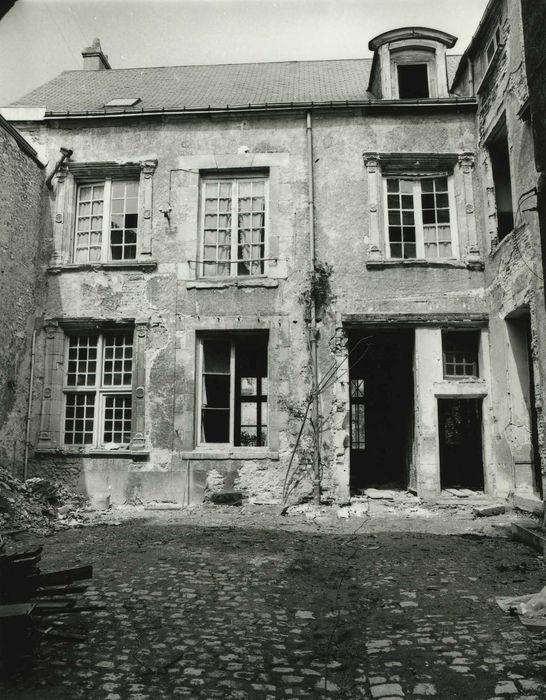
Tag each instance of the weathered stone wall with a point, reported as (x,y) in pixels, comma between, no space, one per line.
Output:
(177,306)
(21,187)
(513,268)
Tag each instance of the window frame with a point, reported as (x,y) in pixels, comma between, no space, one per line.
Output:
(475,362)
(235,397)
(418,215)
(495,41)
(232,177)
(105,249)
(405,64)
(99,390)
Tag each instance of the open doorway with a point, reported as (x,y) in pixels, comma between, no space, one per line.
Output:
(460,434)
(382,408)
(522,391)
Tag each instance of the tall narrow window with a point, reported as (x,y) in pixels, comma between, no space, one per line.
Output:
(97,389)
(233,226)
(106,221)
(497,146)
(358,417)
(233,391)
(419,219)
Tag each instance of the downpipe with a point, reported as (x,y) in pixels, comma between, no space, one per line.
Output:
(313,333)
(29,409)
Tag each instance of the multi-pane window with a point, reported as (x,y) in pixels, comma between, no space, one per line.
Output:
(460,353)
(233,388)
(358,418)
(97,389)
(418,218)
(106,221)
(234,213)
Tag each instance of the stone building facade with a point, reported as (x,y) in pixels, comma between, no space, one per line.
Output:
(21,284)
(292,275)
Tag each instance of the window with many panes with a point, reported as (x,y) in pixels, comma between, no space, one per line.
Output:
(358,415)
(233,391)
(106,221)
(233,229)
(460,353)
(98,389)
(419,218)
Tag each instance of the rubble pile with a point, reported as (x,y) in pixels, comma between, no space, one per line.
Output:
(37,504)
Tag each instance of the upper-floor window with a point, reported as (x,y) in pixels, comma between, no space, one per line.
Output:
(491,48)
(98,389)
(106,221)
(419,217)
(413,80)
(234,226)
(499,156)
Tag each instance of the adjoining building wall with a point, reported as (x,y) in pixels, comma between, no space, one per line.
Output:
(21,251)
(513,265)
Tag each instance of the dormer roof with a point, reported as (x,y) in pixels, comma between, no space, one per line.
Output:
(418,33)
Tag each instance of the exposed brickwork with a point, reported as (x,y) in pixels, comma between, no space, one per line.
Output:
(21,185)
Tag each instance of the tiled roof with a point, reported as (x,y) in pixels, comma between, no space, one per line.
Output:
(216,86)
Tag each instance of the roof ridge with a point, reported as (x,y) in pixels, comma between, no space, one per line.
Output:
(218,65)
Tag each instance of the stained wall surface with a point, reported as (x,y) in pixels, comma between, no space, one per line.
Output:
(21,208)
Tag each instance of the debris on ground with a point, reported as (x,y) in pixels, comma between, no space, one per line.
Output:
(31,601)
(40,505)
(489,511)
(530,608)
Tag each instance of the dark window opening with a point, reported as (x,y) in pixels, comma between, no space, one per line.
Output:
(412,81)
(234,391)
(500,164)
(460,434)
(460,353)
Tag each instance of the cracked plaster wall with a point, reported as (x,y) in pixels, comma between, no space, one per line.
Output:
(21,251)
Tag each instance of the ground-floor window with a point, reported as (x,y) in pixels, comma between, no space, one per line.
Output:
(460,353)
(233,390)
(98,389)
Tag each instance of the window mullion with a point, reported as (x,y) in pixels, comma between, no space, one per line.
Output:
(107,204)
(200,364)
(97,423)
(232,395)
(418,213)
(234,227)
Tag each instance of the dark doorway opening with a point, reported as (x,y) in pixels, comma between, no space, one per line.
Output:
(461,453)
(519,334)
(382,408)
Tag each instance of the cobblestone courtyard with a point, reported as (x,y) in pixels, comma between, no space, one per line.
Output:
(239,604)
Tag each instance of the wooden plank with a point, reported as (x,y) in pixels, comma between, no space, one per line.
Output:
(65,576)
(15,610)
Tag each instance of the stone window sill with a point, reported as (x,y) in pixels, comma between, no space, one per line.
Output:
(72,451)
(232,282)
(419,262)
(143,265)
(201,453)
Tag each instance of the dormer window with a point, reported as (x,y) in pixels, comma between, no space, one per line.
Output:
(413,81)
(410,64)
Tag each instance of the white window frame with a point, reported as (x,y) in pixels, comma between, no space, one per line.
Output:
(232,377)
(105,255)
(99,390)
(247,176)
(418,214)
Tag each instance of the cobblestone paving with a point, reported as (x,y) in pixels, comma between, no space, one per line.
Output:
(249,612)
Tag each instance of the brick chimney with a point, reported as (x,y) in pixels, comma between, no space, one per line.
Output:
(94,58)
